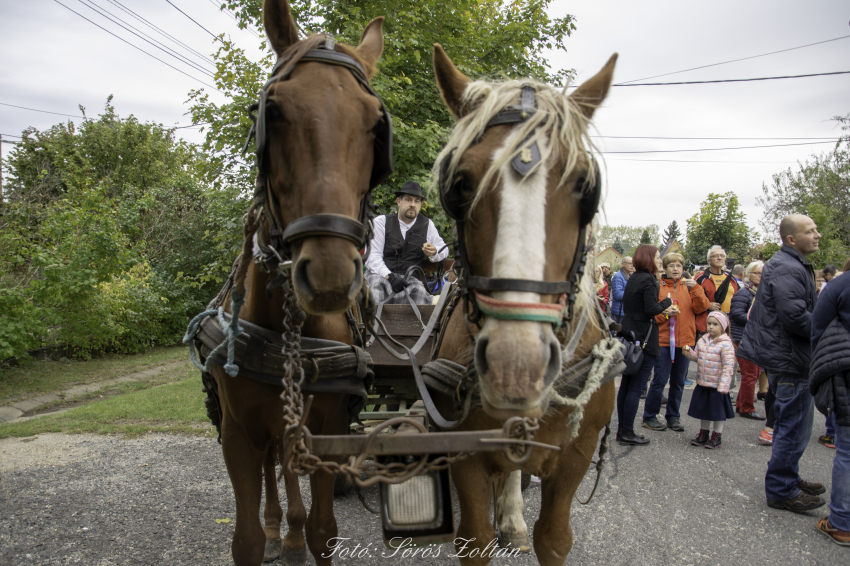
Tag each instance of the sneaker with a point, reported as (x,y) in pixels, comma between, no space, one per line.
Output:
(675,424)
(701,438)
(654,424)
(798,504)
(713,443)
(827,440)
(689,382)
(841,538)
(766,438)
(810,487)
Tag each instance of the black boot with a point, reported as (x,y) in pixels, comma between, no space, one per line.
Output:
(619,433)
(630,438)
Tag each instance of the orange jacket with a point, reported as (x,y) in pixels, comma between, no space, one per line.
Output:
(691,303)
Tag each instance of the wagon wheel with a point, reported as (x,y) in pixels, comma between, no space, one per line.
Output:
(525,481)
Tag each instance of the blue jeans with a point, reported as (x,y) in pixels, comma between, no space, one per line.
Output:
(618,318)
(839,499)
(830,428)
(628,397)
(794,413)
(674,370)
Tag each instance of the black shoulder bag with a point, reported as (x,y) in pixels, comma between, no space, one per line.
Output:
(632,353)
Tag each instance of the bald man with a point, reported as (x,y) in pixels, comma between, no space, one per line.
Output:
(778,338)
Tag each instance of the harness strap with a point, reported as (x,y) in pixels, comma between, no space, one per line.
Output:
(510,310)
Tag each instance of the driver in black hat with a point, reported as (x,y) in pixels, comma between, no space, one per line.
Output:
(402,240)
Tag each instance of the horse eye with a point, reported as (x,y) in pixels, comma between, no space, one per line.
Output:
(379,125)
(274,113)
(581,184)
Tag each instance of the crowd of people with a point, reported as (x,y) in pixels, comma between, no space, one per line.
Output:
(783,325)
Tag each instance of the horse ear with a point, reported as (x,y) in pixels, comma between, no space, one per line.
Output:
(450,81)
(590,95)
(280,27)
(372,42)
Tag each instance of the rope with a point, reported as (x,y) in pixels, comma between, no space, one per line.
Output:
(604,353)
(231,331)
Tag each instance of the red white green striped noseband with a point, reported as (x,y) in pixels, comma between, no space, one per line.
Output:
(510,310)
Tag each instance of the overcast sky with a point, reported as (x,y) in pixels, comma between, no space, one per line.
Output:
(52,59)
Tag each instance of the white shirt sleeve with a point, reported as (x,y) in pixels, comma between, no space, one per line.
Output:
(433,237)
(375,261)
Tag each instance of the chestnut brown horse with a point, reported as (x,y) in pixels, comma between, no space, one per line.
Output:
(316,131)
(515,176)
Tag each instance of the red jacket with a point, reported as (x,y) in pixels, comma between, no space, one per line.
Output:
(704,279)
(603,296)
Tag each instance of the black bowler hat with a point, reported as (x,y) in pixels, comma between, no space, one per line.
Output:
(410,188)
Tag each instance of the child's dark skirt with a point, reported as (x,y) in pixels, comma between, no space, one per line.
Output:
(710,405)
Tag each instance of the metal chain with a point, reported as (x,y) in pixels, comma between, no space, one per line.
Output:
(297,455)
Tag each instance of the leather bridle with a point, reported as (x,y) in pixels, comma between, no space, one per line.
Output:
(525,160)
(359,231)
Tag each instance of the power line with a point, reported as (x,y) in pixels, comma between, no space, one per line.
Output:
(233,17)
(717,148)
(732,61)
(37,110)
(135,47)
(697,161)
(739,80)
(160,31)
(191,18)
(678,138)
(11,136)
(164,49)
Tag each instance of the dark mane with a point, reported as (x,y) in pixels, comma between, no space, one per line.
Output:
(297,50)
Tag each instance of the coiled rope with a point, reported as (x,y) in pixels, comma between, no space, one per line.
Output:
(604,354)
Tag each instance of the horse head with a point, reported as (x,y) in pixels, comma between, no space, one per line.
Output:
(324,140)
(518,178)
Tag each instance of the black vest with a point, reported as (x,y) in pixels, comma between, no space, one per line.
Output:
(400,253)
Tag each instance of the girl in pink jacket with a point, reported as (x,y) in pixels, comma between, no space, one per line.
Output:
(715,357)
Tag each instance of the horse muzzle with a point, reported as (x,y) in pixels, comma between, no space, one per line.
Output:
(517,362)
(328,274)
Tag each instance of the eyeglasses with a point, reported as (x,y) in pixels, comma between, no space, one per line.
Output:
(755,272)
(718,257)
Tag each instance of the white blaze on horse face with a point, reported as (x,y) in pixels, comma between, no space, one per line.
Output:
(520,249)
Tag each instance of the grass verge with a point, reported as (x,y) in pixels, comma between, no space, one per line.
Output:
(39,378)
(176,407)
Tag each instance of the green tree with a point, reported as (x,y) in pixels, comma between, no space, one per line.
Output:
(671,233)
(629,237)
(645,237)
(819,188)
(719,222)
(475,33)
(100,224)
(617,245)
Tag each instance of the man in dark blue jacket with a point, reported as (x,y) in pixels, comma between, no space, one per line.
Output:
(830,384)
(778,338)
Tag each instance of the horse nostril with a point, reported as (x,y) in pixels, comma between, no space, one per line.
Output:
(553,366)
(301,280)
(481,365)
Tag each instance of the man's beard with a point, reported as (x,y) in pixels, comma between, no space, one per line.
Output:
(410,213)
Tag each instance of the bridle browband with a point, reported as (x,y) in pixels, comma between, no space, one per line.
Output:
(524,162)
(359,231)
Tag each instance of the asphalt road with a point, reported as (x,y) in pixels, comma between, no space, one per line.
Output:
(155,500)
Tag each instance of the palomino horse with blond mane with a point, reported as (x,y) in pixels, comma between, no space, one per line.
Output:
(324,141)
(519,180)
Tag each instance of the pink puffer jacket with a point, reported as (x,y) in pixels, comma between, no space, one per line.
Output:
(715,362)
